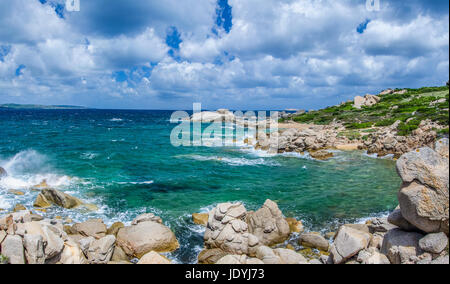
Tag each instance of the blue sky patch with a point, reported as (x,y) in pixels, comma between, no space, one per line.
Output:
(363,26)
(19,70)
(224,16)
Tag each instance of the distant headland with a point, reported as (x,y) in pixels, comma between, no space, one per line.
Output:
(30,106)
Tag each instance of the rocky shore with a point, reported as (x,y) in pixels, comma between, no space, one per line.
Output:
(415,233)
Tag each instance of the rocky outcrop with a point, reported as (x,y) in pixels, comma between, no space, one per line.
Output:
(321,155)
(228,231)
(268,224)
(396,218)
(56,197)
(424,196)
(367,100)
(148,217)
(348,243)
(144,237)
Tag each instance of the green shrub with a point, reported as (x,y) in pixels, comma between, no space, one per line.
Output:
(386,122)
(3,259)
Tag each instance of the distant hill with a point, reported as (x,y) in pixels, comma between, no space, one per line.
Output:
(20,106)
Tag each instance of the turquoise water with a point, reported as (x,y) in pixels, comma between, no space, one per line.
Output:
(123,162)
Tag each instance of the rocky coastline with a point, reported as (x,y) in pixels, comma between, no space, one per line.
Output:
(415,233)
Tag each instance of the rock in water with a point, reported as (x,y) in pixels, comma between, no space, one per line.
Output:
(321,155)
(138,240)
(56,197)
(268,224)
(200,218)
(424,196)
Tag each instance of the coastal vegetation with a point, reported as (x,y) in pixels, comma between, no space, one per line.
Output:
(410,107)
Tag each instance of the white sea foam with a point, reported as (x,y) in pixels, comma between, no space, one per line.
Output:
(233,161)
(136,182)
(115,119)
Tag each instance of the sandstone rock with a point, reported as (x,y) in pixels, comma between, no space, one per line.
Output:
(145,237)
(148,217)
(321,155)
(53,237)
(372,256)
(295,226)
(61,199)
(85,243)
(434,243)
(377,240)
(34,249)
(100,251)
(210,256)
(153,258)
(114,229)
(12,248)
(200,218)
(314,240)
(360,227)
(401,247)
(396,218)
(227,230)
(348,243)
(91,228)
(268,224)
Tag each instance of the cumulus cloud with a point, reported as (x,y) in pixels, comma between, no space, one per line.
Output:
(239,54)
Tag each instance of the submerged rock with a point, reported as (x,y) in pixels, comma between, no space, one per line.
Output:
(294,225)
(56,197)
(200,218)
(321,155)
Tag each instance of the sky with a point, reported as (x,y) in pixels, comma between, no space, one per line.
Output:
(236,54)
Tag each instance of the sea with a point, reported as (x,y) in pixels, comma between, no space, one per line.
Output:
(124,162)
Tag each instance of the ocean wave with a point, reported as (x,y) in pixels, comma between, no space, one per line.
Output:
(115,119)
(136,182)
(233,161)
